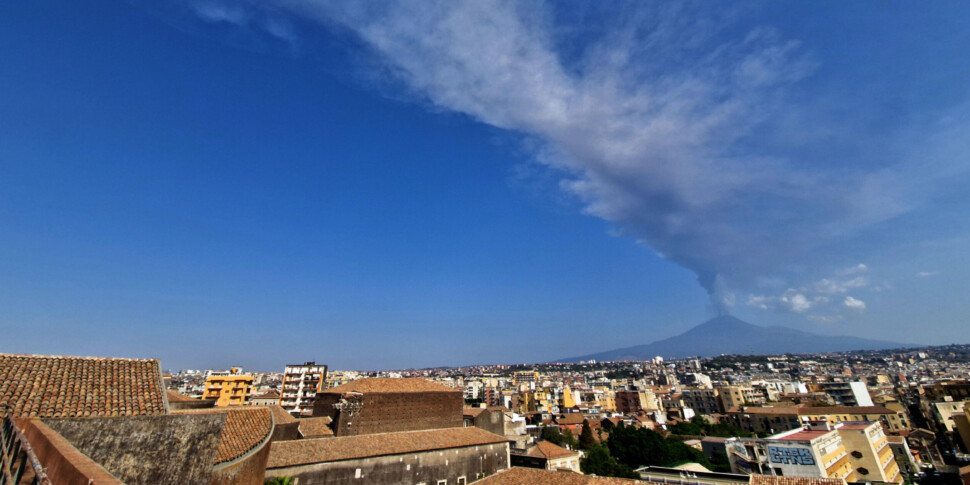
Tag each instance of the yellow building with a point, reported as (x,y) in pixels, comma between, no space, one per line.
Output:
(228,388)
(962,424)
(869,452)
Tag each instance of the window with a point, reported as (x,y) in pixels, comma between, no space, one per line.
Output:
(442,482)
(862,471)
(461,481)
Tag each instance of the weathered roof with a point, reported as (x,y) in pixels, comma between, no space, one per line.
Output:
(268,395)
(534,476)
(246,427)
(550,451)
(571,418)
(176,397)
(280,415)
(473,412)
(775,480)
(825,410)
(144,450)
(67,387)
(315,427)
(391,385)
(301,452)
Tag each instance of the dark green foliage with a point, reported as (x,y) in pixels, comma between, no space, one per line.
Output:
(586,439)
(599,462)
(556,437)
(700,426)
(721,462)
(637,447)
(280,481)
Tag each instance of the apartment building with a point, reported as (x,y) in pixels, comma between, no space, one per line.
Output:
(301,383)
(701,400)
(845,393)
(228,388)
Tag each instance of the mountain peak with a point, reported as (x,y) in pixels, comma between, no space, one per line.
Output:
(726,334)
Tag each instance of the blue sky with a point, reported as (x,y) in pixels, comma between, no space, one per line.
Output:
(386,185)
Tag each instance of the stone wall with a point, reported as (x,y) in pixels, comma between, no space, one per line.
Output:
(471,462)
(358,414)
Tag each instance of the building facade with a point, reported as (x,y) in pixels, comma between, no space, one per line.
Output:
(301,383)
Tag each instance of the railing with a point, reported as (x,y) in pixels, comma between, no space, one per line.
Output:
(16,455)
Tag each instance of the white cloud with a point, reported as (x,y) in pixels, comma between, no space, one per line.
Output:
(926,274)
(650,124)
(854,304)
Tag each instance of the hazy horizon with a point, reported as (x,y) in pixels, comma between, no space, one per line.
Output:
(415,184)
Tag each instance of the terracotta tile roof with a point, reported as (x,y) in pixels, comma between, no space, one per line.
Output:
(315,427)
(571,418)
(267,395)
(66,387)
(473,412)
(280,415)
(773,480)
(535,476)
(301,452)
(391,385)
(245,428)
(550,451)
(176,397)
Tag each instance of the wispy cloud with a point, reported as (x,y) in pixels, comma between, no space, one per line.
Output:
(657,125)
(926,274)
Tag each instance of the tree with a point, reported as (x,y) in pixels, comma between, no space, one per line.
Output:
(556,437)
(280,481)
(599,462)
(586,439)
(637,447)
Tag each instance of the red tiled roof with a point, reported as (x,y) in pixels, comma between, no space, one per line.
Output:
(301,452)
(473,412)
(535,476)
(245,428)
(550,451)
(280,415)
(68,387)
(571,418)
(391,385)
(315,427)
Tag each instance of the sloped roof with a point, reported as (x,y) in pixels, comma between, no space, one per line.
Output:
(144,450)
(571,418)
(391,385)
(315,427)
(301,452)
(473,412)
(280,415)
(68,387)
(550,451)
(534,476)
(176,397)
(246,427)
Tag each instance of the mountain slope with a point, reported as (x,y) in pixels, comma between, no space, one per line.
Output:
(729,335)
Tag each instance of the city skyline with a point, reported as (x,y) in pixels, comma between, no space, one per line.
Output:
(413,185)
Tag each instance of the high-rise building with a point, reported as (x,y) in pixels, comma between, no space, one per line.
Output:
(301,383)
(228,388)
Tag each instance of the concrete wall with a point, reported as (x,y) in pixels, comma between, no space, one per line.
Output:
(472,462)
(491,420)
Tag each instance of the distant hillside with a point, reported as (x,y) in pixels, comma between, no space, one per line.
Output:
(729,335)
